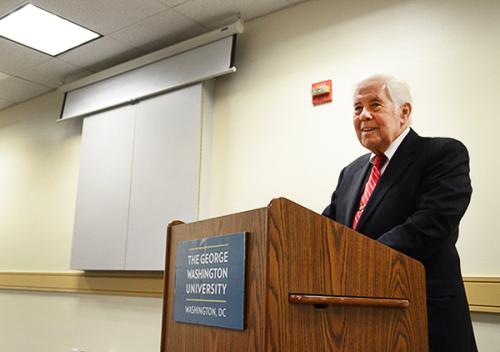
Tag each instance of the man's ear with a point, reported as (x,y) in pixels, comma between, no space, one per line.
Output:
(405,112)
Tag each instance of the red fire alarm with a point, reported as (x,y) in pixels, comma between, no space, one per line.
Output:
(321,92)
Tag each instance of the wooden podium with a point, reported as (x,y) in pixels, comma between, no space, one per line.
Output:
(311,285)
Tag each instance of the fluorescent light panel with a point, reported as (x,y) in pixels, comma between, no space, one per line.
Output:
(43,31)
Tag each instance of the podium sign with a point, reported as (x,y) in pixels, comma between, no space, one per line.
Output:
(210,281)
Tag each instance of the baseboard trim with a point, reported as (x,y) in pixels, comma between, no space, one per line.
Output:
(144,284)
(483,293)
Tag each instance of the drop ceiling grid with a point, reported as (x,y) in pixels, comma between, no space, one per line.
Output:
(130,29)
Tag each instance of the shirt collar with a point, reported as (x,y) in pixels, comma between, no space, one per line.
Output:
(389,153)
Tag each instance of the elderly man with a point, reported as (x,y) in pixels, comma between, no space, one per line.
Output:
(410,193)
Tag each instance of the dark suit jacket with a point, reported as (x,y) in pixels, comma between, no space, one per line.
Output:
(416,208)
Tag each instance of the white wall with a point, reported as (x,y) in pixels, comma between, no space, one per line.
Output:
(270,141)
(46,322)
(38,173)
(38,176)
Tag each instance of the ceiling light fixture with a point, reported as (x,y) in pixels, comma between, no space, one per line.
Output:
(43,31)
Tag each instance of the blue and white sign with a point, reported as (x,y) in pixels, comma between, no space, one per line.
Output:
(210,281)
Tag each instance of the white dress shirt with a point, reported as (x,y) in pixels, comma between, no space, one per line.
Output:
(389,153)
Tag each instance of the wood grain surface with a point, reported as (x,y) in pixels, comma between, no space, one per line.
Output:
(294,252)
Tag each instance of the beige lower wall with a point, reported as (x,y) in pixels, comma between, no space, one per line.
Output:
(60,322)
(98,311)
(486,331)
(483,292)
(57,321)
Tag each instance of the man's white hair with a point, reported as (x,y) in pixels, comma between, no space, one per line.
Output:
(398,91)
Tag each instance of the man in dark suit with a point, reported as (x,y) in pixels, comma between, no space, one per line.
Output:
(411,199)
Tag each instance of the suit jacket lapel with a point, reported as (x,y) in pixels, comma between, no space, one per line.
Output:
(398,164)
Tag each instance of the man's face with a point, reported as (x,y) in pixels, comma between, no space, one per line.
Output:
(377,121)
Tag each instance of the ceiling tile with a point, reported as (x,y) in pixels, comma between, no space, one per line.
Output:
(159,31)
(131,28)
(53,73)
(101,53)
(216,13)
(7,6)
(104,17)
(16,57)
(16,89)
(4,103)
(173,3)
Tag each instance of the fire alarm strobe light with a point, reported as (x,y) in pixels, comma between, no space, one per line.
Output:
(321,92)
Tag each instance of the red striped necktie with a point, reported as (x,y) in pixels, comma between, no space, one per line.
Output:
(378,163)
